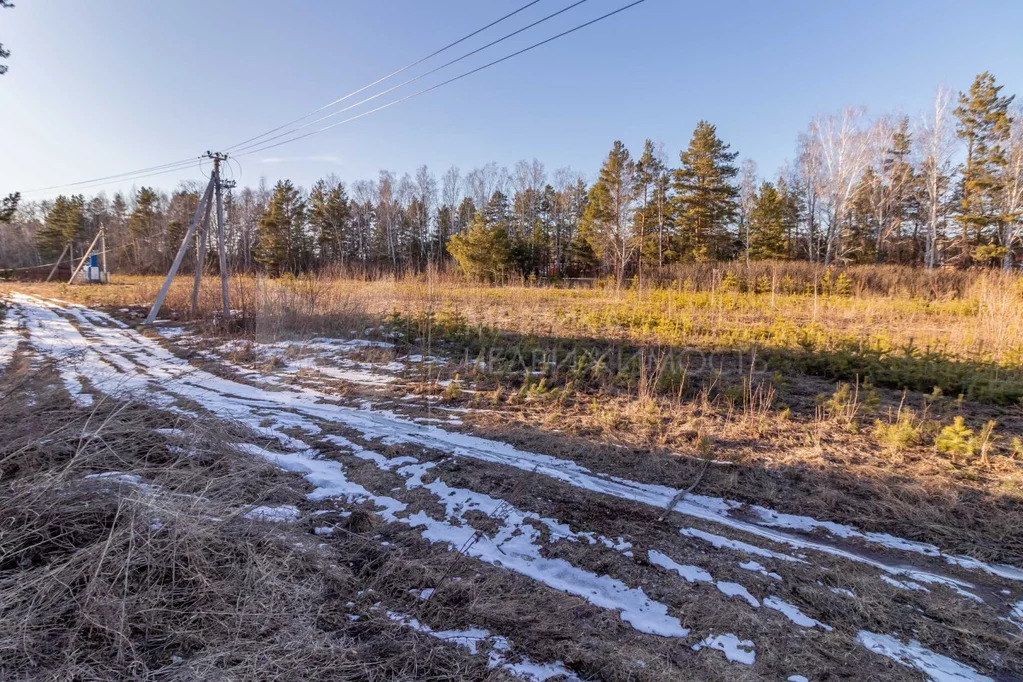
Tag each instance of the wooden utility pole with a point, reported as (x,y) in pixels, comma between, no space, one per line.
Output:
(221,242)
(201,237)
(57,264)
(213,191)
(103,256)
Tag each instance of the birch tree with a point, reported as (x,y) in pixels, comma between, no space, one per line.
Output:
(934,146)
(843,148)
(747,199)
(1010,218)
(607,220)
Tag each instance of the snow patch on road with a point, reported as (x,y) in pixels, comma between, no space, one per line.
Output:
(497,654)
(736,650)
(517,545)
(794,614)
(756,567)
(692,574)
(912,655)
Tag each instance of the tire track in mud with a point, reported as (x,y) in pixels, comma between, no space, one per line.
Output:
(118,361)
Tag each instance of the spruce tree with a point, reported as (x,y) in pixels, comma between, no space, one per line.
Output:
(64,223)
(767,224)
(984,126)
(900,198)
(862,234)
(705,200)
(144,228)
(580,260)
(281,240)
(330,218)
(466,212)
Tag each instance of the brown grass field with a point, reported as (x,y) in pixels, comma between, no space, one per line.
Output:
(890,400)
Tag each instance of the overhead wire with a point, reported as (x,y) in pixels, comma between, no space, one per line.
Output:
(141,173)
(388,76)
(443,83)
(139,177)
(243,146)
(173,165)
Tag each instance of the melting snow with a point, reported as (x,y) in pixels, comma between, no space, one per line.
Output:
(120,361)
(912,655)
(720,541)
(497,656)
(9,337)
(693,574)
(758,568)
(735,649)
(904,584)
(516,546)
(283,514)
(737,590)
(793,613)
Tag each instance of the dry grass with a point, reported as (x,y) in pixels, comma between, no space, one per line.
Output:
(806,444)
(91,587)
(160,576)
(975,315)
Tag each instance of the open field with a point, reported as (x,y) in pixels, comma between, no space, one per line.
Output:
(731,476)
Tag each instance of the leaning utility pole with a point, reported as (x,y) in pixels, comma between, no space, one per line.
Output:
(60,258)
(85,256)
(200,221)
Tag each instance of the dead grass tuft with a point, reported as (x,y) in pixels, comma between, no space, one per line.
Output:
(125,554)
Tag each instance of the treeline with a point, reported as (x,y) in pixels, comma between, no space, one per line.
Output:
(944,190)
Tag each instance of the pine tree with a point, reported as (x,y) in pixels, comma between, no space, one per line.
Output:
(144,228)
(482,251)
(984,125)
(580,260)
(900,199)
(767,224)
(64,223)
(607,221)
(649,219)
(330,220)
(282,244)
(496,210)
(792,212)
(863,233)
(705,201)
(9,207)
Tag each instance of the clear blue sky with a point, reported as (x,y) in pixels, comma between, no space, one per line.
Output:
(101,87)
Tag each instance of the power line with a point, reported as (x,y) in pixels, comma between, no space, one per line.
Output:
(135,177)
(176,164)
(388,76)
(243,146)
(443,83)
(184,163)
